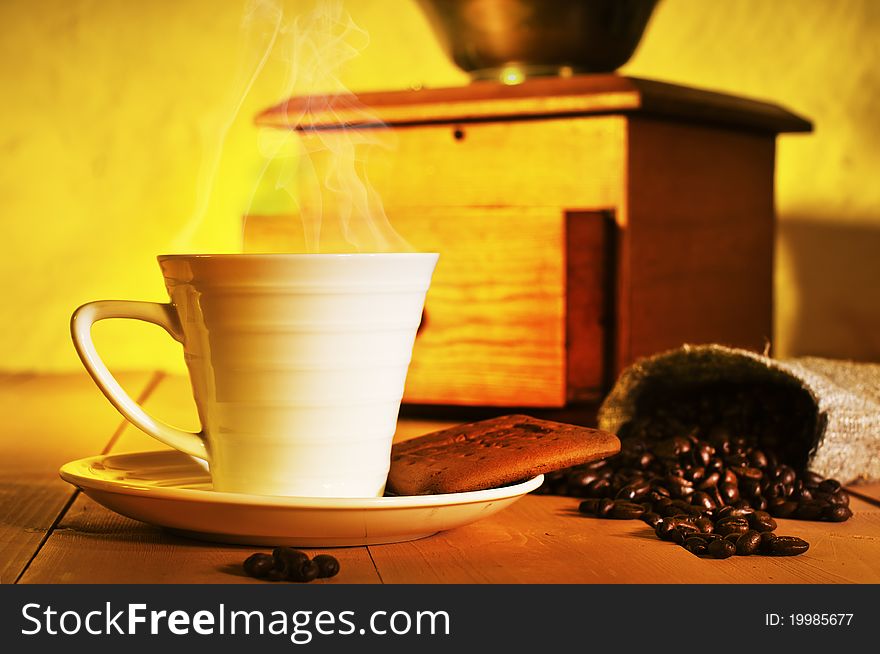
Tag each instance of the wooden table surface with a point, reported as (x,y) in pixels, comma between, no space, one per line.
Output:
(51,533)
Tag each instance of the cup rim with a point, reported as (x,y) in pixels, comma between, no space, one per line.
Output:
(294,255)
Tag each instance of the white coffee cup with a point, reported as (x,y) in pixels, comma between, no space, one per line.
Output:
(297,363)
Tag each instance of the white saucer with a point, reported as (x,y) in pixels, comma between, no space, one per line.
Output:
(171,489)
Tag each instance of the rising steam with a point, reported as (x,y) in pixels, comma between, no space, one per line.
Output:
(323,171)
(260,25)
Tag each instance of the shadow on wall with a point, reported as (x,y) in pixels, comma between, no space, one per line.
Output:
(833,308)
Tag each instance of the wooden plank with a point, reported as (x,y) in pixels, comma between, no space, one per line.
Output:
(95,545)
(544,540)
(494,328)
(49,420)
(537,97)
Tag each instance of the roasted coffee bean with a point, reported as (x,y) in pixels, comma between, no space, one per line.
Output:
(703,453)
(651,519)
(633,491)
(760,503)
(696,545)
(731,526)
(758,459)
(632,448)
(721,549)
(705,525)
(258,565)
(837,513)
(732,537)
(679,487)
(589,507)
(829,486)
(626,511)
(703,500)
(746,472)
(328,566)
(277,574)
(598,488)
(787,546)
(729,492)
(709,481)
(766,538)
(669,510)
(783,508)
(776,490)
(840,498)
(750,488)
(605,507)
(672,448)
(734,512)
(667,531)
(577,483)
(762,521)
(811,509)
(784,474)
(748,543)
(305,572)
(289,557)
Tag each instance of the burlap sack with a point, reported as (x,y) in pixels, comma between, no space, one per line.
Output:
(844,439)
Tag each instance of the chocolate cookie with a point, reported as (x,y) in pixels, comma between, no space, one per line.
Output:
(492,453)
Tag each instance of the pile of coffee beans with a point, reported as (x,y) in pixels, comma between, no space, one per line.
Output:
(707,471)
(288,564)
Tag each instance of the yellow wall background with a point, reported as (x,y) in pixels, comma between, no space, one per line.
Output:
(107,107)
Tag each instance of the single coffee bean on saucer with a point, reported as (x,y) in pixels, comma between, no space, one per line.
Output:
(258,565)
(328,566)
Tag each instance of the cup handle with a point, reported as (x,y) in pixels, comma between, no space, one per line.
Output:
(163,315)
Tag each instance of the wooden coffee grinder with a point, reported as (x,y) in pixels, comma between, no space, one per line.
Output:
(582,222)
